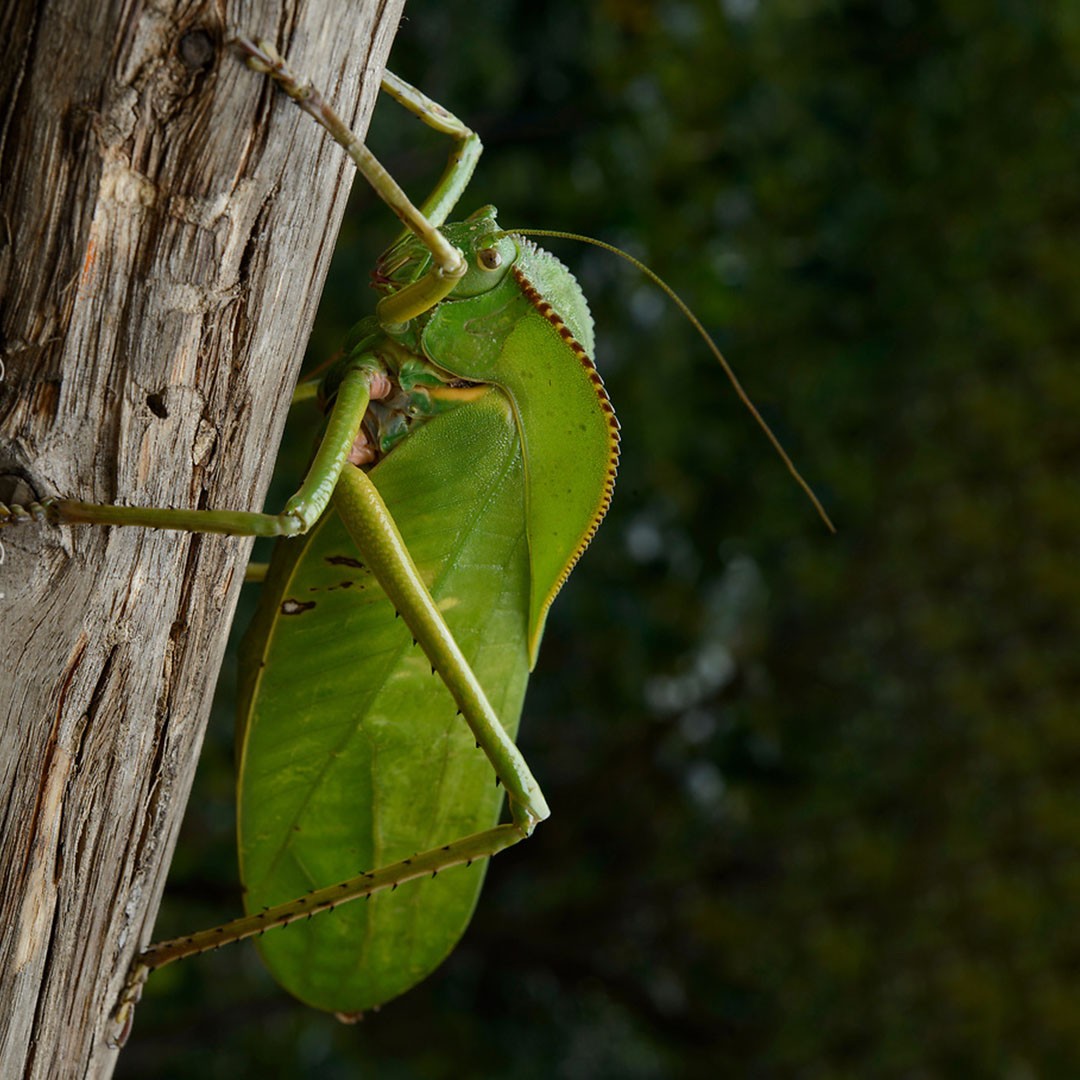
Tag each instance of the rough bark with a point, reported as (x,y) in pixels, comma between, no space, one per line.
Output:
(166,220)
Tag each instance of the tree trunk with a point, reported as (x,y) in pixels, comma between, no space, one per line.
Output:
(166,221)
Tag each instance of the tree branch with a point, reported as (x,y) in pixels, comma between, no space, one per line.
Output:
(166,222)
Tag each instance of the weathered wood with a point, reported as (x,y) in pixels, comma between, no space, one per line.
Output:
(166,220)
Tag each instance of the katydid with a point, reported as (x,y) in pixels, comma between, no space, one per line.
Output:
(468,458)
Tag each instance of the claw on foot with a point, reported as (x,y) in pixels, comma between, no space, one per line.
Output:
(261,55)
(40,513)
(264,58)
(124,1015)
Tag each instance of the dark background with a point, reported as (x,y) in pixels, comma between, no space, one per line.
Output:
(816,799)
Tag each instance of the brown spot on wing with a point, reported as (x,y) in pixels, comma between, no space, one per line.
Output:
(344,560)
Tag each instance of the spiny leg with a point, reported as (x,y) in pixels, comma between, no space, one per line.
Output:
(384,552)
(462,852)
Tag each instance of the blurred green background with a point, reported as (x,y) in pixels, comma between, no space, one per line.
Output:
(816,799)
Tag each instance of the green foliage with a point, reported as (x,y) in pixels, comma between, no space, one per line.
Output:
(815,800)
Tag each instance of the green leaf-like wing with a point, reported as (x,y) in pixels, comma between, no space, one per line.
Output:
(353,756)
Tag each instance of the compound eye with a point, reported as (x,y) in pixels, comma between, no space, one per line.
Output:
(489,258)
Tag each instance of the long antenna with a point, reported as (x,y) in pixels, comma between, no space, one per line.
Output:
(695,322)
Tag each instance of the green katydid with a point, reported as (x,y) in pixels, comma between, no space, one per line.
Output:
(468,457)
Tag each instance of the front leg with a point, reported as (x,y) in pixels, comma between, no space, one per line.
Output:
(449,265)
(357,388)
